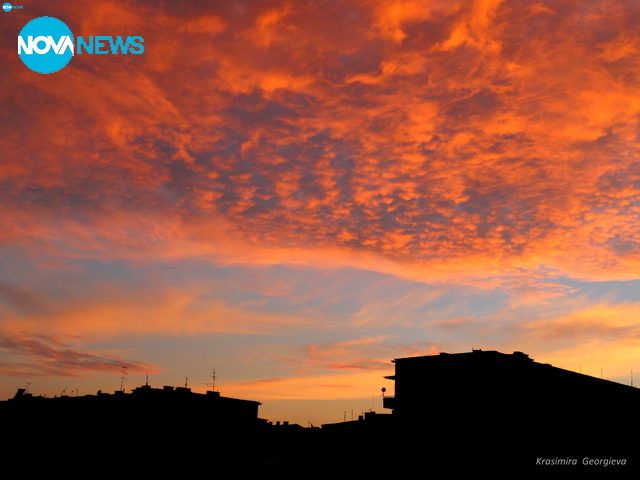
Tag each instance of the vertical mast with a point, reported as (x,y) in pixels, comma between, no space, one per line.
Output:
(213,381)
(124,373)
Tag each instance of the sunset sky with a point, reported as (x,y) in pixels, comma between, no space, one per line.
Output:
(294,193)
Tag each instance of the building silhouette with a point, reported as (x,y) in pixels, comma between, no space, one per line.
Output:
(147,431)
(478,412)
(497,411)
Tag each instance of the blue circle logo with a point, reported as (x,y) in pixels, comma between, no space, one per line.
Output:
(7,7)
(45,45)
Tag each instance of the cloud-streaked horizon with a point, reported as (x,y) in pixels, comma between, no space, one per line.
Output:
(356,174)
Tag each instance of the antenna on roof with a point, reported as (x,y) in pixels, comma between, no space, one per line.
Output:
(213,381)
(185,381)
(632,377)
(124,373)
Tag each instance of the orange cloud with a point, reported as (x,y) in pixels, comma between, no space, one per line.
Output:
(454,143)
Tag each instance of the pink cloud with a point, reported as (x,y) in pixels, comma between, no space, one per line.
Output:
(40,355)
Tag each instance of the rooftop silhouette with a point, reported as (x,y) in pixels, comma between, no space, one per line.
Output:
(479,382)
(498,410)
(473,412)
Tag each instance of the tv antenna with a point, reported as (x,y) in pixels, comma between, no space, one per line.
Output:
(124,373)
(213,381)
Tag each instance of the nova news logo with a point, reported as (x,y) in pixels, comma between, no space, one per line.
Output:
(46,45)
(7,7)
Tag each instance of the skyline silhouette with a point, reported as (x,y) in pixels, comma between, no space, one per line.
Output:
(510,414)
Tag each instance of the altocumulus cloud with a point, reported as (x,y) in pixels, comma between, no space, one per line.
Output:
(462,143)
